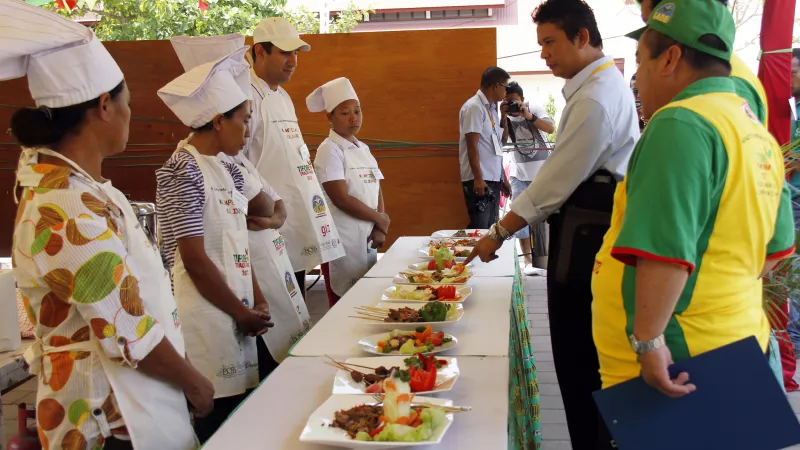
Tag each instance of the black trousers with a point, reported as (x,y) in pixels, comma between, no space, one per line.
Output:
(569,301)
(483,211)
(300,277)
(224,407)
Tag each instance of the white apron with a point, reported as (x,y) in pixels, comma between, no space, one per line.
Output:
(285,161)
(275,276)
(363,182)
(156,413)
(214,344)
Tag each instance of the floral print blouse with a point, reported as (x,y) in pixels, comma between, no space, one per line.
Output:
(78,286)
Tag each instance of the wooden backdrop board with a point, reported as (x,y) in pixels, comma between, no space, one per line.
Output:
(411,85)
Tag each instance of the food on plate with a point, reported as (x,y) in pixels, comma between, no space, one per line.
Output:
(457,253)
(431,312)
(464,234)
(420,372)
(442,259)
(452,242)
(422,340)
(395,421)
(422,293)
(458,274)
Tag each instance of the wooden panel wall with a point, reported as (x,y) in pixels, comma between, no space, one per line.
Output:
(411,85)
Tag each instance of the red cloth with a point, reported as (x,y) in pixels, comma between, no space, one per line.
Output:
(775,71)
(326,273)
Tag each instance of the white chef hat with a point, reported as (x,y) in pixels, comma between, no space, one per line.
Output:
(65,62)
(330,95)
(194,51)
(209,89)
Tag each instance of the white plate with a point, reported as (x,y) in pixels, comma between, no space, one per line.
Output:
(370,345)
(450,233)
(402,279)
(343,383)
(424,253)
(424,266)
(455,317)
(318,431)
(462,290)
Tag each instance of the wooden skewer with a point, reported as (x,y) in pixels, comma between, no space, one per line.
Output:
(366,318)
(375,315)
(359,366)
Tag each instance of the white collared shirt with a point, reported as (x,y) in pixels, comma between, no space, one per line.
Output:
(598,129)
(329,161)
(474,118)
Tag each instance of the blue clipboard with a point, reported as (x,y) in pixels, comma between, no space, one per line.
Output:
(738,405)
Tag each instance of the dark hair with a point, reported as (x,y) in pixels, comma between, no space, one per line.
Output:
(657,43)
(492,76)
(267,48)
(514,88)
(654,3)
(796,53)
(43,126)
(228,114)
(571,16)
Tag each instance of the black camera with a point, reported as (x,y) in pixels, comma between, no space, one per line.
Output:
(513,106)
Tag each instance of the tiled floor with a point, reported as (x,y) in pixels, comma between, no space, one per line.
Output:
(553,421)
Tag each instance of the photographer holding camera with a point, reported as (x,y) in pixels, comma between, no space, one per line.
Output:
(525,125)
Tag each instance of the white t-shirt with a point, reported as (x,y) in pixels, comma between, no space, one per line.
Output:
(526,162)
(329,162)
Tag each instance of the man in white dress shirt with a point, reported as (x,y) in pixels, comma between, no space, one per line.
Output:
(574,191)
(480,151)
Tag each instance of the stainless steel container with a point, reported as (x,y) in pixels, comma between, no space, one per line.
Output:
(146,215)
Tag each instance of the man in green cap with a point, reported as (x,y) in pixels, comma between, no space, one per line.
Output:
(703,212)
(747,84)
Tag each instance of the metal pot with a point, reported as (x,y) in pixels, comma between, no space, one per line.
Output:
(146,215)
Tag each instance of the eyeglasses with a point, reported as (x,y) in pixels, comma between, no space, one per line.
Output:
(504,86)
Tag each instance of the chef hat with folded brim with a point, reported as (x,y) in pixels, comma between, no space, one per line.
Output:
(330,95)
(65,62)
(195,51)
(209,89)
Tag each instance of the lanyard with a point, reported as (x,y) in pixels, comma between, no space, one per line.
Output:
(601,68)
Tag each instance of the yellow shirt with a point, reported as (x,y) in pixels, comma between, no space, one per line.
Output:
(705,189)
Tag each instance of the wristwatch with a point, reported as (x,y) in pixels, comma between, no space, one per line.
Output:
(641,347)
(499,234)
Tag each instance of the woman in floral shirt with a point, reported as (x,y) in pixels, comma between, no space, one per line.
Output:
(108,351)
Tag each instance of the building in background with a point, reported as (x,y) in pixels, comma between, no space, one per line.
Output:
(517,50)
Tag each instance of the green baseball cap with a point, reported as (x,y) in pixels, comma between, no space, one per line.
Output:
(687,20)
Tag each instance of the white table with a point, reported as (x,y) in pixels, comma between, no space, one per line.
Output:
(274,416)
(483,331)
(404,253)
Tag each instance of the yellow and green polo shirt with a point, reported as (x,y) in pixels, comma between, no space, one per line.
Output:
(749,87)
(704,189)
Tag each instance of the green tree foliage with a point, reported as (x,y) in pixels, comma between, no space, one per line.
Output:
(121,20)
(551,110)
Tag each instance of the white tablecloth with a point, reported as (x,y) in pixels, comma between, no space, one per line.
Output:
(404,253)
(276,413)
(483,331)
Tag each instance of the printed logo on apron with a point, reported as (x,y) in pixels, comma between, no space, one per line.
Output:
(290,287)
(318,204)
(242,262)
(280,245)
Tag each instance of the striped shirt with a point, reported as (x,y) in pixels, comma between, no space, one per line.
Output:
(180,198)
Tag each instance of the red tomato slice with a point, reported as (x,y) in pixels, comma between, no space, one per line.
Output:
(432,265)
